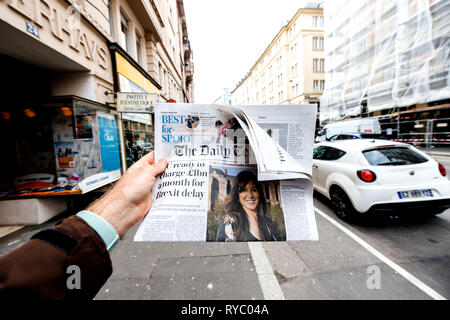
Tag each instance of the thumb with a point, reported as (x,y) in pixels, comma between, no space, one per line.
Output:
(159,167)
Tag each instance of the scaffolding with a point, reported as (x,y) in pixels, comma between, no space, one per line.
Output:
(384,54)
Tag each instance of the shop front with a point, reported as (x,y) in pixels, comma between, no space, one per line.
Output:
(60,131)
(137,128)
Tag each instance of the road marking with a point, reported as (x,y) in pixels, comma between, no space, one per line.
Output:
(269,284)
(408,276)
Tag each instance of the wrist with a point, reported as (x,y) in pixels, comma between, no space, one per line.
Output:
(102,227)
(112,209)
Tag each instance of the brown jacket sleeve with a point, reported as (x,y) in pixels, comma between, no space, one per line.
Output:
(39,269)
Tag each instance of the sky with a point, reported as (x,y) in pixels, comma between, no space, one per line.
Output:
(228,36)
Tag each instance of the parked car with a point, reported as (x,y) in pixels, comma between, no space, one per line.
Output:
(351,136)
(366,176)
(356,126)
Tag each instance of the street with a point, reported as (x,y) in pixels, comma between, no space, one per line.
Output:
(335,267)
(409,255)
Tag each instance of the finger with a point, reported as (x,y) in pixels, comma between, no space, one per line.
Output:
(159,167)
(149,158)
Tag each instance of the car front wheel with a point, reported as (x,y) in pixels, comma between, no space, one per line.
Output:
(342,205)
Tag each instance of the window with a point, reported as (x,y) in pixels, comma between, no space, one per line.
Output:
(280,96)
(343,137)
(124,37)
(272,100)
(318,22)
(294,69)
(138,49)
(280,79)
(327,153)
(270,71)
(271,85)
(294,50)
(322,85)
(393,156)
(318,152)
(316,85)
(111,22)
(318,65)
(166,82)
(317,43)
(295,90)
(315,22)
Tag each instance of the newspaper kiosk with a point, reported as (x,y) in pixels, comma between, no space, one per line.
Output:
(65,146)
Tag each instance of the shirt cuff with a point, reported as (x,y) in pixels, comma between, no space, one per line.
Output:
(103,228)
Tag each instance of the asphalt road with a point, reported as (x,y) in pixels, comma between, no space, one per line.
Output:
(408,255)
(335,267)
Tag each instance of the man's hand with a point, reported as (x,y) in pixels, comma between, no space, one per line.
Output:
(131,197)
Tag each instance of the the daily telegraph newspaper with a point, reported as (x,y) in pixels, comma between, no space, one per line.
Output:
(233,174)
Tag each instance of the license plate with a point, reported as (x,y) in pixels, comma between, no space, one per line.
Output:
(415,194)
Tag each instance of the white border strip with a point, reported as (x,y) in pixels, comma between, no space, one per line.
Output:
(269,284)
(422,286)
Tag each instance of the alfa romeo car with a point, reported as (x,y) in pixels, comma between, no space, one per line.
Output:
(369,176)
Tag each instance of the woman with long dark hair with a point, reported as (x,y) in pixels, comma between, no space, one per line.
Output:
(245,213)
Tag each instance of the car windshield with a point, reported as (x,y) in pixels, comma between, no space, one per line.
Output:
(393,156)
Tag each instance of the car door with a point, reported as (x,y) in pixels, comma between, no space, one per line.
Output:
(318,152)
(325,164)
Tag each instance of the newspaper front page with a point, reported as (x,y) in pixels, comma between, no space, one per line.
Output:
(233,174)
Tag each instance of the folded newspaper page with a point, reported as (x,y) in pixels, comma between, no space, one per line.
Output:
(233,174)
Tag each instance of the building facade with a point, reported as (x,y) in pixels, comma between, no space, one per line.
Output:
(291,69)
(65,60)
(390,60)
(151,53)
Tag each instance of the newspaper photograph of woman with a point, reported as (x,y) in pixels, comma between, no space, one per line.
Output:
(242,209)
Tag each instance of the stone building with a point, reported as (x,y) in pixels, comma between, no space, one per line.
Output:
(64,62)
(291,69)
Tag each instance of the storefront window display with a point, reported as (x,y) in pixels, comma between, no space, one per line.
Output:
(68,145)
(138,137)
(137,127)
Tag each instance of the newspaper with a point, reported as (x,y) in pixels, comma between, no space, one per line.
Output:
(233,174)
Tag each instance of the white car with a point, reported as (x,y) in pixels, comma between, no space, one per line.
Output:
(370,176)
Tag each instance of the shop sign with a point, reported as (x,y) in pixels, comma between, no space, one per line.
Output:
(136,102)
(64,24)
